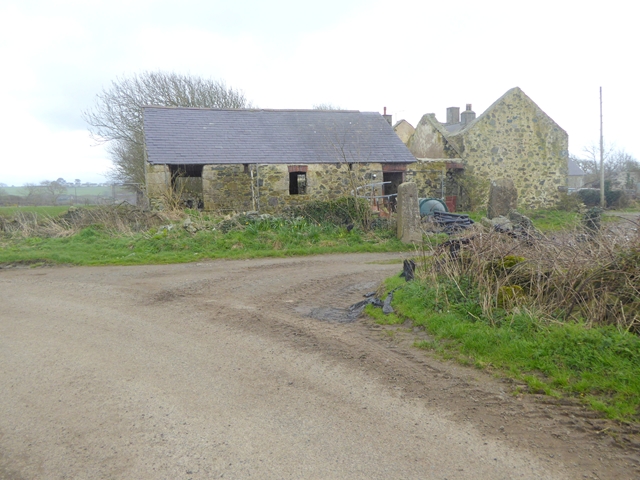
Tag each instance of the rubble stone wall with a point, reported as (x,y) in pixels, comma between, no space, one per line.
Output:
(157,181)
(228,187)
(427,175)
(517,140)
(427,141)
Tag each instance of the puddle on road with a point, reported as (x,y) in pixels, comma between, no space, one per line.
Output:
(336,315)
(342,315)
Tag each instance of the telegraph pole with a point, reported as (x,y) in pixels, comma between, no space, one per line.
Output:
(602,200)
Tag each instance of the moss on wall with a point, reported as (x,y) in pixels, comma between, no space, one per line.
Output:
(427,141)
(229,187)
(512,139)
(428,176)
(515,139)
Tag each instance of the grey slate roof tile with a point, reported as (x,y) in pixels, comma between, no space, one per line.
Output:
(216,136)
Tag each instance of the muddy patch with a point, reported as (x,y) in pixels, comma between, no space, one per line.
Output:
(334,315)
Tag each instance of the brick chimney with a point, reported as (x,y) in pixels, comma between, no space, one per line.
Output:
(453,115)
(388,118)
(468,115)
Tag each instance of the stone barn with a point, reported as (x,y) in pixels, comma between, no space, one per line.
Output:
(512,139)
(240,160)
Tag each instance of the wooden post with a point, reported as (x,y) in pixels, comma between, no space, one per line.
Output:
(602,199)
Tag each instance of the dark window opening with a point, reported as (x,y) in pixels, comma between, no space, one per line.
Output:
(297,183)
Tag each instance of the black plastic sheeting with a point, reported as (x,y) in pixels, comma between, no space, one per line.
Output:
(452,222)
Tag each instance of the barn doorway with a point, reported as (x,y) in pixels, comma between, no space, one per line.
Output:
(395,179)
(186,185)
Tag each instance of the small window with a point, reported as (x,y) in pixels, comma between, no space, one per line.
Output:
(297,183)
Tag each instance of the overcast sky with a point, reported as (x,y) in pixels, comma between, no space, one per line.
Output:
(412,56)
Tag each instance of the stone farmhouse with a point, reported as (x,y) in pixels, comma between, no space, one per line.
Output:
(241,160)
(512,139)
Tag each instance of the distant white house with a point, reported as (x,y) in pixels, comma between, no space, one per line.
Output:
(576,175)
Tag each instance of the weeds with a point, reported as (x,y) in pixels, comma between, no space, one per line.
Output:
(126,235)
(568,276)
(560,312)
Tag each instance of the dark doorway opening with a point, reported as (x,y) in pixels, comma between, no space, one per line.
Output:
(186,184)
(396,178)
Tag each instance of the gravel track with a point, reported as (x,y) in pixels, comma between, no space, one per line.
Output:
(218,370)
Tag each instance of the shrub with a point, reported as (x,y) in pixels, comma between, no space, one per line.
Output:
(616,199)
(594,279)
(590,197)
(341,211)
(569,202)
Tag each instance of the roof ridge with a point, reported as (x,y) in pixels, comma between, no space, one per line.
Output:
(165,107)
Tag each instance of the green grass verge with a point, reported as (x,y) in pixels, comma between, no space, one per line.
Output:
(40,211)
(71,190)
(93,246)
(597,365)
(553,220)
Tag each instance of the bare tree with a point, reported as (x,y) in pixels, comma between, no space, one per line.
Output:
(326,106)
(352,150)
(117,115)
(618,164)
(589,160)
(32,188)
(34,193)
(54,189)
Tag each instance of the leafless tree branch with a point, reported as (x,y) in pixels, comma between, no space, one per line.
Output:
(116,116)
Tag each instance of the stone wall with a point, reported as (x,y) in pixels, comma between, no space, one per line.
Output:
(157,178)
(228,187)
(427,175)
(427,141)
(515,139)
(324,182)
(404,130)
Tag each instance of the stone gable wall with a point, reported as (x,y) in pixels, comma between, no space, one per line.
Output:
(427,141)
(516,140)
(404,130)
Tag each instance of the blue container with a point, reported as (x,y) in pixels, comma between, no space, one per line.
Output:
(430,205)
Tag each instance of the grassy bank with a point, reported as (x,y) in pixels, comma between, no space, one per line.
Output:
(598,365)
(560,314)
(108,236)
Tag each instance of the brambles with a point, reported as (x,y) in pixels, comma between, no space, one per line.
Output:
(594,279)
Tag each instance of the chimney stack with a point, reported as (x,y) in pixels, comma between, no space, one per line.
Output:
(388,118)
(468,115)
(453,115)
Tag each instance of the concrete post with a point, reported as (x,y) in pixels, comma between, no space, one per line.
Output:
(408,213)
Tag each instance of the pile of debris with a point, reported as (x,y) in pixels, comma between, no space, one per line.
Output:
(514,224)
(408,272)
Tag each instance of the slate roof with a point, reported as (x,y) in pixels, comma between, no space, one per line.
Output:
(574,168)
(217,136)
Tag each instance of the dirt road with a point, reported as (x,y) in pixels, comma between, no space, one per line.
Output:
(219,369)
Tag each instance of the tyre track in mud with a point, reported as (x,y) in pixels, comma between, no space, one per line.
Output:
(558,428)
